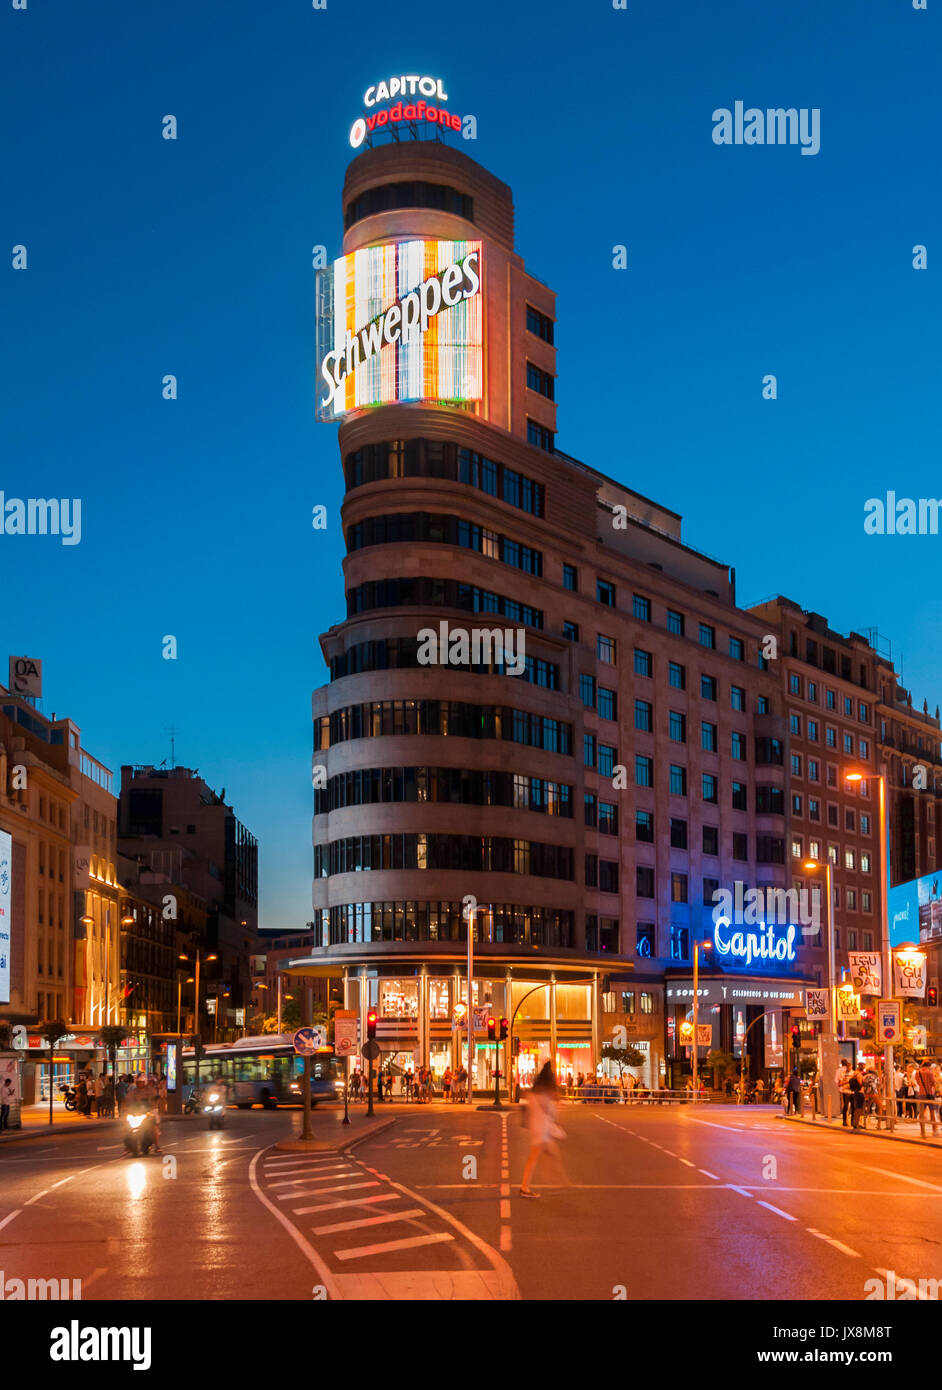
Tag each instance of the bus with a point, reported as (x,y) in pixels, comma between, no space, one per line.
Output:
(265,1071)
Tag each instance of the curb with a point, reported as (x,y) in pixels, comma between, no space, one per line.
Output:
(826,1128)
(19,1136)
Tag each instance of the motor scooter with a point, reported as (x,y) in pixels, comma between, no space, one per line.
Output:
(214,1107)
(139,1132)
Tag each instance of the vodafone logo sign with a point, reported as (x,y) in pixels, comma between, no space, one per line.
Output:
(400,90)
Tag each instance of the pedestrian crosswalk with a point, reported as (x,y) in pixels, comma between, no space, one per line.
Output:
(357,1219)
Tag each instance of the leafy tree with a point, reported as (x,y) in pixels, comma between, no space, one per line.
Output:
(626,1056)
(51,1032)
(112,1036)
(719,1061)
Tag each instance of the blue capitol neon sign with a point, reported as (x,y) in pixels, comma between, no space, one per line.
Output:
(769,943)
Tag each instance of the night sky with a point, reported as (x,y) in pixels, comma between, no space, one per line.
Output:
(193,257)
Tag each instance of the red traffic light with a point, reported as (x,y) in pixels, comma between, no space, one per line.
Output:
(932,996)
(492,1029)
(371,1016)
(504,1027)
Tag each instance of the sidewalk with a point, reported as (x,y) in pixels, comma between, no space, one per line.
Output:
(905,1132)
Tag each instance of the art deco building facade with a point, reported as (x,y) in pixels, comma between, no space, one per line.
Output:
(590,805)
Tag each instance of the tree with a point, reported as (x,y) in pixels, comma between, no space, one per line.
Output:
(112,1036)
(6,1035)
(720,1061)
(626,1056)
(51,1032)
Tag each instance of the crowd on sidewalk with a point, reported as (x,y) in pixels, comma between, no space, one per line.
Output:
(917,1088)
(101,1096)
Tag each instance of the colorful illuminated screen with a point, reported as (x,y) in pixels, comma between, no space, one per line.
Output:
(401,322)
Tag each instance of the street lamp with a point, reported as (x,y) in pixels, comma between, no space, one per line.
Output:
(706,945)
(889,1089)
(827,1055)
(196,1009)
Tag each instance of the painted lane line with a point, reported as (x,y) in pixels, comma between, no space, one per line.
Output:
(302,1168)
(838,1244)
(888,1173)
(743,1192)
(686,1161)
(327,1177)
(382,1220)
(505,1209)
(347,1202)
(36,1198)
(12,1217)
(344,1187)
(707,1174)
(318,1264)
(63,1181)
(778,1211)
(408,1244)
(104,1148)
(506,1240)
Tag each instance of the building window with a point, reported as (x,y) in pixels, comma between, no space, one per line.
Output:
(737,697)
(794,684)
(707,687)
(709,788)
(677,675)
(644,826)
(644,771)
(570,631)
(608,757)
(738,746)
(538,380)
(587,690)
(570,578)
(590,809)
(740,846)
(645,939)
(711,839)
(605,593)
(644,881)
(644,663)
(678,780)
(591,871)
(608,876)
(737,649)
(708,737)
(678,888)
(605,649)
(677,726)
(607,703)
(707,636)
(675,622)
(678,834)
(539,324)
(628,1001)
(739,796)
(641,608)
(608,818)
(588,750)
(794,724)
(540,436)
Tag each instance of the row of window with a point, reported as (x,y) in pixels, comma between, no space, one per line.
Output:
(424,592)
(470,787)
(808,690)
(450,718)
(401,653)
(470,853)
(495,923)
(437,458)
(598,697)
(709,686)
(709,786)
(852,859)
(851,819)
(812,770)
(435,528)
(540,381)
(412,193)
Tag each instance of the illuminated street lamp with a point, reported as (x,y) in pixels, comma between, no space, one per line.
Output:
(811,865)
(889,1088)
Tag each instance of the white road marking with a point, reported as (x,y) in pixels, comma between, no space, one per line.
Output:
(344,1187)
(326,1177)
(888,1173)
(407,1244)
(707,1174)
(778,1211)
(347,1202)
(838,1244)
(323,1272)
(505,1209)
(12,1216)
(62,1181)
(686,1161)
(381,1220)
(744,1192)
(506,1241)
(304,1168)
(36,1198)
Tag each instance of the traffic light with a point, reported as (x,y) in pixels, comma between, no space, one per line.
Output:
(516,1047)
(491,1029)
(503,1029)
(371,1023)
(932,996)
(796,1037)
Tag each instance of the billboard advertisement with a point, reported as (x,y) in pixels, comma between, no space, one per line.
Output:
(400,322)
(6,914)
(916,910)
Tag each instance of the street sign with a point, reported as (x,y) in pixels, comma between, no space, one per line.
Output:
(704,1034)
(371,1049)
(889,1021)
(308,1040)
(816,1003)
(346,1032)
(480,1020)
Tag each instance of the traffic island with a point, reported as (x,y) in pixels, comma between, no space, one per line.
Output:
(837,1127)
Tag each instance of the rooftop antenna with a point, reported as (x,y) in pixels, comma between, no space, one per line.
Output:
(172,730)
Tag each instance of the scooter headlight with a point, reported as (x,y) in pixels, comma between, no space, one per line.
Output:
(135,1121)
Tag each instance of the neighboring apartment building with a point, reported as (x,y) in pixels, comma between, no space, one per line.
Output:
(184,836)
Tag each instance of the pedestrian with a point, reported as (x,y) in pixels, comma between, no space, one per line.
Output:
(760,1090)
(855,1085)
(793,1094)
(842,1081)
(120,1093)
(541,1122)
(446,1084)
(429,1085)
(7,1097)
(106,1104)
(927,1092)
(355,1086)
(389,1085)
(81,1094)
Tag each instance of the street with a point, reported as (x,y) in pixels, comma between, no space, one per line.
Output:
(644,1204)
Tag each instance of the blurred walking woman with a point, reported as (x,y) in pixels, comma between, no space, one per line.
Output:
(541,1121)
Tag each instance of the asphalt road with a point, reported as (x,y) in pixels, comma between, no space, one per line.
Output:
(646,1204)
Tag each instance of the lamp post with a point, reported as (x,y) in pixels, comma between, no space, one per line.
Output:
(827,1047)
(889,1086)
(196,1011)
(470,910)
(707,945)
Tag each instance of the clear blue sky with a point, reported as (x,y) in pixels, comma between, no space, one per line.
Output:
(148,257)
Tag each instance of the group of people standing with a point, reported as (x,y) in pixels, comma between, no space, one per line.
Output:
(101,1096)
(917,1088)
